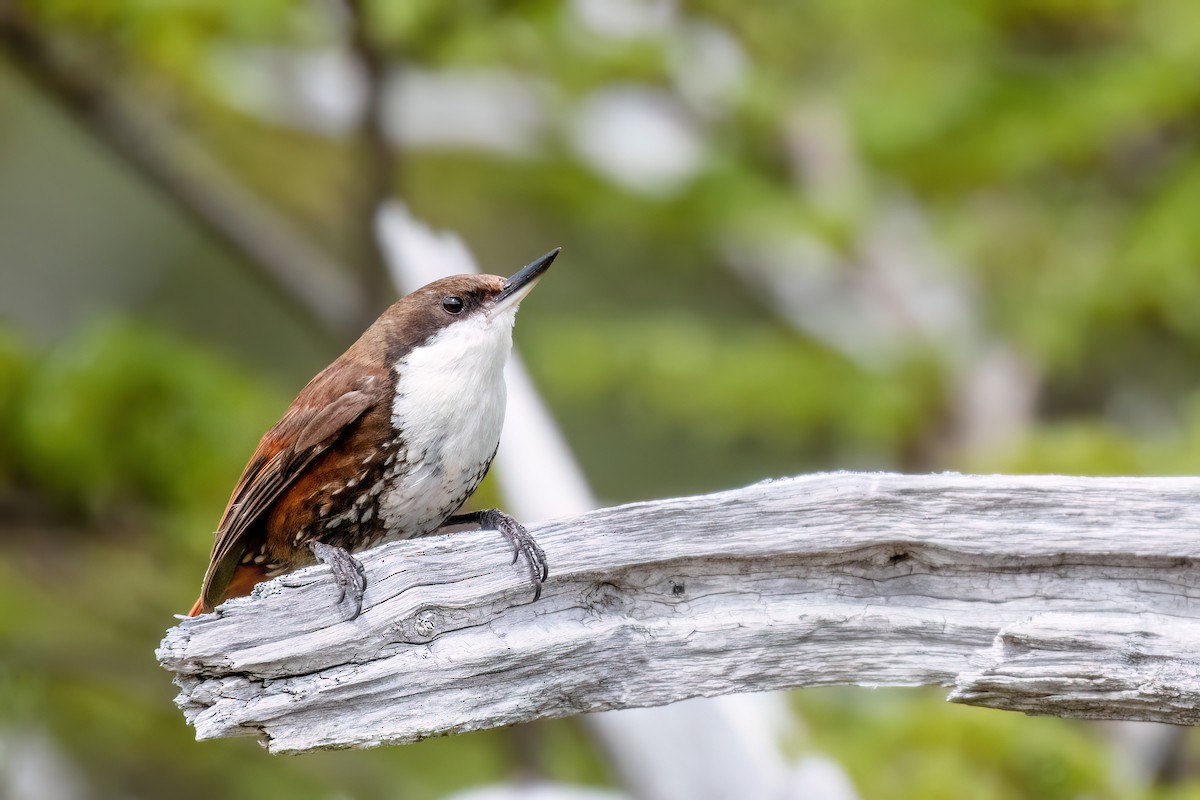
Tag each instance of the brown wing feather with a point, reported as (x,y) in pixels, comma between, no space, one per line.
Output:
(317,418)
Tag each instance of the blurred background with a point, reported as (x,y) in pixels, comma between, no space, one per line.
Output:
(798,236)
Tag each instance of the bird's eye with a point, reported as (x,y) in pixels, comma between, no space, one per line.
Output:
(452,304)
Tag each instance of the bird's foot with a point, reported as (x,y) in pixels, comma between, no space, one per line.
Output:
(520,539)
(348,574)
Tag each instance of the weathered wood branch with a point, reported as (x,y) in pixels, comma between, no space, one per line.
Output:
(1049,595)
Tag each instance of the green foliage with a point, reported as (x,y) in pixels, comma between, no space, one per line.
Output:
(118,414)
(759,385)
(901,744)
(15,367)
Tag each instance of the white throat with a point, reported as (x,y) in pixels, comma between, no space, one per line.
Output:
(448,410)
(455,377)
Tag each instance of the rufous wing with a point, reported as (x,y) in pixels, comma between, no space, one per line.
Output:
(318,417)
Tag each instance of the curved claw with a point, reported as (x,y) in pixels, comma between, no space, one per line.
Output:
(522,543)
(517,536)
(348,574)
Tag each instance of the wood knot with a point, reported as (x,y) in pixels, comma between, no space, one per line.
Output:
(421,626)
(425,623)
(603,598)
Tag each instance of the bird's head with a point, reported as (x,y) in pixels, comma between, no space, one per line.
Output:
(457,313)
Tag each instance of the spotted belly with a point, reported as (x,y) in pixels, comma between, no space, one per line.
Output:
(423,489)
(400,496)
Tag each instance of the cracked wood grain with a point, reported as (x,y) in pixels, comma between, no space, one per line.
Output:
(1044,594)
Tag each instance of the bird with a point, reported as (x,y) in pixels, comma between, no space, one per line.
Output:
(388,440)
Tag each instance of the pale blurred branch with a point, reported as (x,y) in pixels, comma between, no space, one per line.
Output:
(272,246)
(1045,594)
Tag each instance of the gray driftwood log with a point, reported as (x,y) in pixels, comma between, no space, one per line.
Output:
(1044,594)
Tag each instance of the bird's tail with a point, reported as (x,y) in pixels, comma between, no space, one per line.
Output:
(245,578)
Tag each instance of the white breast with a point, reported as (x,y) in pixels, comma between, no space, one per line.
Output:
(449,408)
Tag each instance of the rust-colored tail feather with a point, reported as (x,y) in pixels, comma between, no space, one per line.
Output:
(245,578)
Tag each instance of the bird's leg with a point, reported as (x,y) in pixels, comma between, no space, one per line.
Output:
(516,535)
(348,574)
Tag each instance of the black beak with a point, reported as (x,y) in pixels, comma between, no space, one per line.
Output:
(526,276)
